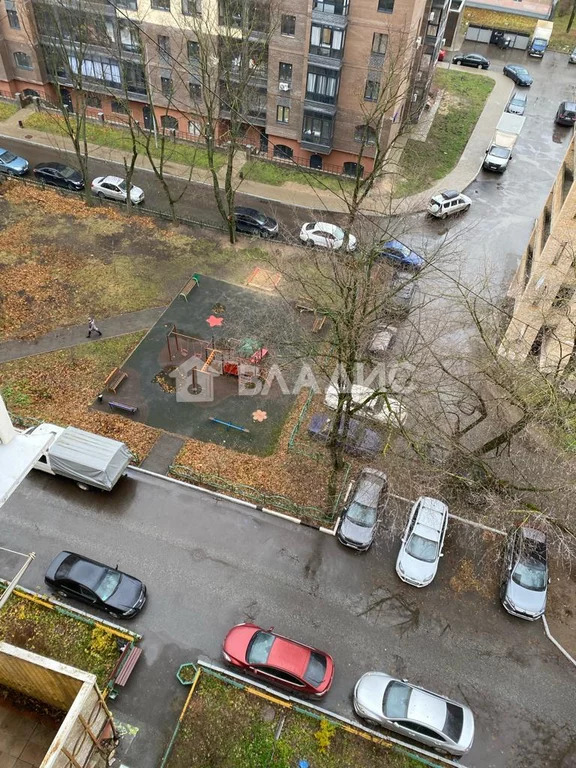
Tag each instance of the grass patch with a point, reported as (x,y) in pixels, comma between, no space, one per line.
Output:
(117,138)
(424,162)
(229,728)
(61,637)
(7,110)
(277,175)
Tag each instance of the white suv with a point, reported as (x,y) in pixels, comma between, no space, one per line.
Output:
(448,202)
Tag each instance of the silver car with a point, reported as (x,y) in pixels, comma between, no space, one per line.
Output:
(114,188)
(422,542)
(415,712)
(361,516)
(525,579)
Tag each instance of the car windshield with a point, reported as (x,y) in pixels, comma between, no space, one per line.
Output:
(7,157)
(403,249)
(454,720)
(422,549)
(259,648)
(361,514)
(122,185)
(338,233)
(517,103)
(108,584)
(530,575)
(66,172)
(500,152)
(521,71)
(396,699)
(316,669)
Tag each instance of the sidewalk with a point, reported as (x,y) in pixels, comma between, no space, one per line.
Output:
(301,195)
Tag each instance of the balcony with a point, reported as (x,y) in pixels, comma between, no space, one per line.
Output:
(257,76)
(320,104)
(332,12)
(320,145)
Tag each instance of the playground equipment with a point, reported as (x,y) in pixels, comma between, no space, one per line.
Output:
(228,425)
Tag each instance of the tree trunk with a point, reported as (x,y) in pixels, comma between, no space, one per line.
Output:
(503,437)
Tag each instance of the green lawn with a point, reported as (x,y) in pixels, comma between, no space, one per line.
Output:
(277,175)
(424,162)
(7,110)
(117,138)
(561,40)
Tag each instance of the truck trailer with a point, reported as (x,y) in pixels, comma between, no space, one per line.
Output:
(500,148)
(540,39)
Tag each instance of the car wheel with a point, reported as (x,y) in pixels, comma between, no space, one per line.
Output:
(478,66)
(466,208)
(101,195)
(83,486)
(444,216)
(264,234)
(310,243)
(61,593)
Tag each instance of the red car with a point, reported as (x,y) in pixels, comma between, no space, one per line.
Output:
(275,659)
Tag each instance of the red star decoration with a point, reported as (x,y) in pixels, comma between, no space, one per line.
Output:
(213,321)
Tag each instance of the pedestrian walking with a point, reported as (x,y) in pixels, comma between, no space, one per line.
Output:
(92,328)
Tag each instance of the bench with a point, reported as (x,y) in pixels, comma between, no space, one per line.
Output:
(132,409)
(319,321)
(126,664)
(115,379)
(192,283)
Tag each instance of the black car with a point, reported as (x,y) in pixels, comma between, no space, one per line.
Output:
(472,60)
(362,513)
(566,113)
(96,584)
(518,74)
(254,222)
(59,175)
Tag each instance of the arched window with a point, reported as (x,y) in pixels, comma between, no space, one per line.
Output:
(353,169)
(167,121)
(30,92)
(283,152)
(365,133)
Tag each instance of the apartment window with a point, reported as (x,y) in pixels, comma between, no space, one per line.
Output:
(288,25)
(194,128)
(325,41)
(130,5)
(192,7)
(371,90)
(134,78)
(166,86)
(282,114)
(118,107)
(365,133)
(386,6)
(456,5)
(317,129)
(22,60)
(379,43)
(164,47)
(322,85)
(93,100)
(195,90)
(13,19)
(193,50)
(129,38)
(160,5)
(284,76)
(169,122)
(283,152)
(337,7)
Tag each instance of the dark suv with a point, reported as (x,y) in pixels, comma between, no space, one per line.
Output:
(255,222)
(566,114)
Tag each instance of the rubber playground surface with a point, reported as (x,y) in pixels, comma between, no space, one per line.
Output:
(222,316)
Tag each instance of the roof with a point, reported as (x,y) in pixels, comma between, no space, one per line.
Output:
(111,179)
(368,490)
(427,709)
(289,656)
(326,227)
(450,194)
(430,520)
(533,534)
(86,573)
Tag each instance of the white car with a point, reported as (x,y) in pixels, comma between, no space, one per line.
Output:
(325,235)
(386,410)
(114,188)
(447,203)
(422,542)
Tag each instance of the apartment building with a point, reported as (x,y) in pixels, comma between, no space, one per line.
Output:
(543,324)
(318,70)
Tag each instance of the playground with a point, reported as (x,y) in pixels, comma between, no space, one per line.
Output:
(200,369)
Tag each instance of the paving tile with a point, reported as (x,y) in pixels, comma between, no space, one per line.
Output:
(7,761)
(43,735)
(33,753)
(13,744)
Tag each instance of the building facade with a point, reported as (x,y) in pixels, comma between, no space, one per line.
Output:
(317,76)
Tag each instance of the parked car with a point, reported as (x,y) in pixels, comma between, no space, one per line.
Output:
(400,255)
(415,712)
(360,517)
(325,235)
(572,57)
(524,584)
(114,188)
(472,60)
(447,203)
(383,340)
(59,175)
(12,164)
(254,222)
(422,542)
(96,584)
(277,660)
(518,74)
(566,113)
(402,291)
(360,439)
(384,409)
(517,103)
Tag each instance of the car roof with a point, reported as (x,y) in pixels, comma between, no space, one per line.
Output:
(368,489)
(427,709)
(55,166)
(112,179)
(533,534)
(289,656)
(430,518)
(326,227)
(247,211)
(571,105)
(85,572)
(519,95)
(450,194)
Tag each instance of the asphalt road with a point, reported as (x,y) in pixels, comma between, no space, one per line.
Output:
(209,564)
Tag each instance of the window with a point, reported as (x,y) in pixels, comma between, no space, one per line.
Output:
(22,60)
(13,19)
(134,78)
(130,5)
(160,5)
(284,76)
(193,50)
(166,86)
(195,90)
(192,7)
(365,133)
(321,85)
(118,107)
(337,7)
(164,46)
(325,41)
(283,152)
(386,6)
(371,90)
(353,169)
(169,122)
(93,100)
(194,128)
(129,38)
(288,25)
(317,129)
(379,43)
(282,114)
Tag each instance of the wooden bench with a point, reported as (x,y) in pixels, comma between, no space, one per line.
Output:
(192,283)
(125,667)
(132,409)
(115,379)
(319,321)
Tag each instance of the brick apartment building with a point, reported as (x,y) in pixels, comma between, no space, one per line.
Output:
(322,66)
